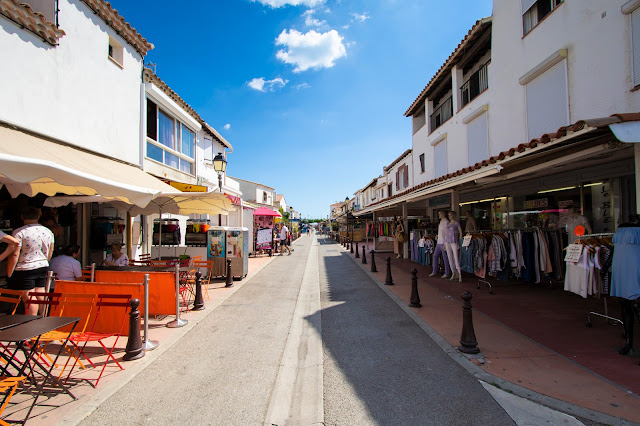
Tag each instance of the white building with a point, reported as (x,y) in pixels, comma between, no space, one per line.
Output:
(257,193)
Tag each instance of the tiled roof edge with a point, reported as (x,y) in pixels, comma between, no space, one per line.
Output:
(36,22)
(480,23)
(150,77)
(111,16)
(397,160)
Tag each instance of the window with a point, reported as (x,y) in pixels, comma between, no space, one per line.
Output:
(169,141)
(419,119)
(402,177)
(635,46)
(389,191)
(547,101)
(422,167)
(477,83)
(442,113)
(478,140)
(115,51)
(440,158)
(534,11)
(208,150)
(264,197)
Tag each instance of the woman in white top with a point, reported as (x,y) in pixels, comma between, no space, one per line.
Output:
(117,257)
(66,266)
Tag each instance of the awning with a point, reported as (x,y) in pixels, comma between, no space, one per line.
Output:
(30,164)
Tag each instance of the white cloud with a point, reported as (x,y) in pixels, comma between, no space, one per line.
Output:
(311,50)
(360,17)
(303,86)
(310,21)
(281,3)
(227,126)
(262,85)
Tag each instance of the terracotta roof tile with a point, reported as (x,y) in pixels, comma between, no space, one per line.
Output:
(397,160)
(23,15)
(546,138)
(475,31)
(111,16)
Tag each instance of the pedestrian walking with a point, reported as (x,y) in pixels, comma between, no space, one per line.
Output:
(284,239)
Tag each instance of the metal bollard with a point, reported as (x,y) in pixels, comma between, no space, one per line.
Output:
(351,246)
(468,342)
(229,282)
(415,297)
(389,280)
(134,348)
(373,261)
(198,303)
(147,345)
(357,251)
(364,255)
(178,322)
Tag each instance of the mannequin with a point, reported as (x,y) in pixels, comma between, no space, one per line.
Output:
(451,245)
(440,250)
(397,244)
(575,219)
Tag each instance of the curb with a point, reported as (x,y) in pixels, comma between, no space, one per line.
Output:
(478,373)
(91,404)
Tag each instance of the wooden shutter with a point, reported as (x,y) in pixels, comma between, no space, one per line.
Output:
(635,45)
(548,101)
(397,179)
(406,176)
(477,140)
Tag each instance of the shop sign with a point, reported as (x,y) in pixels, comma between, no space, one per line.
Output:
(263,237)
(601,208)
(540,203)
(234,200)
(440,200)
(186,187)
(466,241)
(574,251)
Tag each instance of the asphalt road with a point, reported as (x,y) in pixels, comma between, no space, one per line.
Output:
(310,338)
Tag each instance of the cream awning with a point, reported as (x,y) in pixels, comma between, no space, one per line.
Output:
(30,164)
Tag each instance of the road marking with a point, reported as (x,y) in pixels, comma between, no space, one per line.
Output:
(297,398)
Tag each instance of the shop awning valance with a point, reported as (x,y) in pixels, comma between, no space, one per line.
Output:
(30,165)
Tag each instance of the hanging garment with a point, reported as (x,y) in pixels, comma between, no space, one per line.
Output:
(625,277)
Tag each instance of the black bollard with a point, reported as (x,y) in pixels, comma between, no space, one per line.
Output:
(415,297)
(134,349)
(229,282)
(357,251)
(351,246)
(468,342)
(389,280)
(198,303)
(373,261)
(364,255)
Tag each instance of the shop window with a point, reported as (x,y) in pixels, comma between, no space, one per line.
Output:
(440,159)
(534,11)
(422,165)
(547,101)
(169,141)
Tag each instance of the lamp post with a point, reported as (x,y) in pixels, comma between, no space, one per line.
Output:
(220,166)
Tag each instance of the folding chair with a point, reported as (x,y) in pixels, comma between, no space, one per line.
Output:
(12,298)
(8,385)
(187,284)
(195,259)
(86,275)
(72,304)
(206,267)
(115,305)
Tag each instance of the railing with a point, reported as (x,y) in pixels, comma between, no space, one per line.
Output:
(477,83)
(441,114)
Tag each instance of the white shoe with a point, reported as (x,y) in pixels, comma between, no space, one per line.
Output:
(444,276)
(433,274)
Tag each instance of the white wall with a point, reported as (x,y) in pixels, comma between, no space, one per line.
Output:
(72,91)
(598,62)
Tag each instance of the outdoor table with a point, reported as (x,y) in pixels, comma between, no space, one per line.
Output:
(21,335)
(8,321)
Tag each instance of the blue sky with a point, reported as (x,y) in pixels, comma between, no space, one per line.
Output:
(310,93)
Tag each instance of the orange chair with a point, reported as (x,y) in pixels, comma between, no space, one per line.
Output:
(12,297)
(187,287)
(9,385)
(206,268)
(195,259)
(116,305)
(80,304)
(86,275)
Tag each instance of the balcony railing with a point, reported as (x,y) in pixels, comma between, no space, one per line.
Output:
(477,83)
(441,114)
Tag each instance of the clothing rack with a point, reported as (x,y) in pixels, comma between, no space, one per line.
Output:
(611,320)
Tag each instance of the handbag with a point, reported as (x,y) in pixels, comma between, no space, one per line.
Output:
(402,237)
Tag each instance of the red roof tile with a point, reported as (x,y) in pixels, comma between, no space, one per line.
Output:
(23,15)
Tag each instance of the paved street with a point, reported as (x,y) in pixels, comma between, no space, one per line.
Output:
(258,358)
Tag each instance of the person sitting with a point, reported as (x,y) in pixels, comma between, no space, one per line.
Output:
(66,266)
(116,257)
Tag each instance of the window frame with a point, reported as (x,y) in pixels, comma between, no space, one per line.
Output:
(176,143)
(554,4)
(422,163)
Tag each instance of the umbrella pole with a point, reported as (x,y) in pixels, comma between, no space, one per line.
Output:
(159,232)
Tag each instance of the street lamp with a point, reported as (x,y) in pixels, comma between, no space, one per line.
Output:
(220,166)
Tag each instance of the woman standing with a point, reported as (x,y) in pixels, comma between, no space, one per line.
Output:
(452,237)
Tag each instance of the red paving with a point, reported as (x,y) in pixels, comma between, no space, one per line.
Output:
(532,335)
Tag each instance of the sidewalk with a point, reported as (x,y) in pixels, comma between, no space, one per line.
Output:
(61,409)
(515,361)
